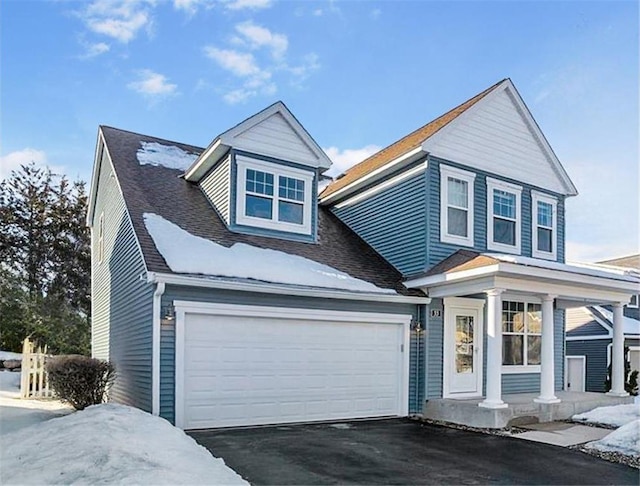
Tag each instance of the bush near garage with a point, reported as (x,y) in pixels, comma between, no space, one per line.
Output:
(80,380)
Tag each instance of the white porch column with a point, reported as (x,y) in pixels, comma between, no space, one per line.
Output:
(493,397)
(617,354)
(547,377)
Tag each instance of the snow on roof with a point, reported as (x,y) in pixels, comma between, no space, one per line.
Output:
(631,326)
(109,444)
(186,253)
(170,156)
(573,267)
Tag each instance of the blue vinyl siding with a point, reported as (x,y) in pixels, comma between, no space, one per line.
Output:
(595,351)
(216,187)
(435,346)
(250,230)
(393,222)
(591,328)
(167,347)
(122,303)
(438,251)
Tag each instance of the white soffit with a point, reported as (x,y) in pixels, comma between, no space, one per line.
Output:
(499,135)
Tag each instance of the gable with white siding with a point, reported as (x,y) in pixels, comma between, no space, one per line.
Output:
(499,135)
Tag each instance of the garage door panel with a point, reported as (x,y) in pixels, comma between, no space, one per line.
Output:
(251,371)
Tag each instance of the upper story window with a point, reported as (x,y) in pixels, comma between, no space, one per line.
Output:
(633,302)
(456,205)
(503,216)
(274,197)
(544,224)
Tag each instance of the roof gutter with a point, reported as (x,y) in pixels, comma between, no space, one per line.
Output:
(269,288)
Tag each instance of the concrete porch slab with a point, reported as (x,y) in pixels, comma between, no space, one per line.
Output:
(562,434)
(520,410)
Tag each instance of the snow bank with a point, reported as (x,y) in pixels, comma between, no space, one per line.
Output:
(186,253)
(153,153)
(616,415)
(9,382)
(109,444)
(625,440)
(9,355)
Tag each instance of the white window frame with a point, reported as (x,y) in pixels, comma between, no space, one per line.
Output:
(631,305)
(493,184)
(101,238)
(446,172)
(524,368)
(244,163)
(540,197)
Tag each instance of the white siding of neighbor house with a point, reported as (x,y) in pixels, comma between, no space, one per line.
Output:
(275,137)
(216,187)
(495,135)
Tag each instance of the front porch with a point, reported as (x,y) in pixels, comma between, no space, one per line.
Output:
(521,409)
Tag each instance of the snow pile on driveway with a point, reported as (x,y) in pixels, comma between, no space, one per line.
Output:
(615,416)
(9,355)
(625,440)
(109,444)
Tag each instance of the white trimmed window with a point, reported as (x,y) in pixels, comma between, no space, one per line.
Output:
(544,226)
(633,302)
(101,238)
(521,336)
(503,216)
(456,205)
(273,196)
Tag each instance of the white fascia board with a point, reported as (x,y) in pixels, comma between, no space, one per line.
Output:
(267,288)
(387,184)
(94,178)
(588,338)
(205,161)
(228,137)
(444,278)
(395,164)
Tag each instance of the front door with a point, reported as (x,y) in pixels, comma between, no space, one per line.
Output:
(463,347)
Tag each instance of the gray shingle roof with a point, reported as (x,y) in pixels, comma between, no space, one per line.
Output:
(160,190)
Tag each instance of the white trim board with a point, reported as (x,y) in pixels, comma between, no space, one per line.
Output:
(183,308)
(584,370)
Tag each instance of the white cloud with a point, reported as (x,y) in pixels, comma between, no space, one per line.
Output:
(239,63)
(344,159)
(118,19)
(190,7)
(94,49)
(153,85)
(13,160)
(246,4)
(375,13)
(257,36)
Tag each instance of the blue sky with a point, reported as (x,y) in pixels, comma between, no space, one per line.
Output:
(358,75)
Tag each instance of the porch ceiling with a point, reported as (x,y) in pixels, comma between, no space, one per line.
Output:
(469,273)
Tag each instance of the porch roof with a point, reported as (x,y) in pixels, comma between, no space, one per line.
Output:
(468,272)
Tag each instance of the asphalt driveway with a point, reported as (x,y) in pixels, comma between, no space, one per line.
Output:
(400,451)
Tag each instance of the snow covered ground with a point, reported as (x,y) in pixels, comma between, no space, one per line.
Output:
(615,416)
(9,355)
(626,439)
(109,444)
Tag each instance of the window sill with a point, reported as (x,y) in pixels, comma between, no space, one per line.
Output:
(515,250)
(457,240)
(519,369)
(544,255)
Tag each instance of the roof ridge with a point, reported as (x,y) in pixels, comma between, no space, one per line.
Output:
(151,136)
(453,113)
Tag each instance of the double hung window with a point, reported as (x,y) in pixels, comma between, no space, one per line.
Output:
(521,334)
(544,216)
(503,216)
(456,205)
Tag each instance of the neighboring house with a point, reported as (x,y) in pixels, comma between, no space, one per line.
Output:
(590,333)
(228,292)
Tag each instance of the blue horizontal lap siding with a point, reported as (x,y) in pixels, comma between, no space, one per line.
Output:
(122,323)
(173,293)
(438,251)
(595,351)
(591,328)
(393,222)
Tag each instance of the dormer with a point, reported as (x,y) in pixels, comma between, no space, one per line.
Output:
(261,176)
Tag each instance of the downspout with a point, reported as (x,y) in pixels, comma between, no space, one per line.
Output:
(155,358)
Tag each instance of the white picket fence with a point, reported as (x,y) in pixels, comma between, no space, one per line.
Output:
(34,380)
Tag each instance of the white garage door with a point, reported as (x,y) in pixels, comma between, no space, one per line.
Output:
(266,369)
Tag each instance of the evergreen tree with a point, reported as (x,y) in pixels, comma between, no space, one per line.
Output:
(45,261)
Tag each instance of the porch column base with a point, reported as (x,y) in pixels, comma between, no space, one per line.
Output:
(547,400)
(617,394)
(492,404)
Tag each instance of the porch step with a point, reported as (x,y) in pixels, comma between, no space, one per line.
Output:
(521,409)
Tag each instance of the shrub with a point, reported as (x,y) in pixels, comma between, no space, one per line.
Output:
(80,380)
